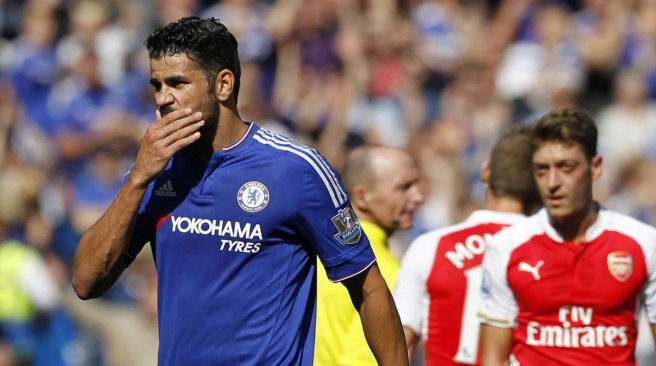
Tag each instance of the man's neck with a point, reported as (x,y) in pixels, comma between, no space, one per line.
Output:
(362,216)
(503,204)
(575,227)
(227,132)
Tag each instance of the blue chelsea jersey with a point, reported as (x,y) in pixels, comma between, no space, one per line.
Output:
(235,244)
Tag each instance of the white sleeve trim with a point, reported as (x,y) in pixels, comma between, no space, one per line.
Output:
(354,274)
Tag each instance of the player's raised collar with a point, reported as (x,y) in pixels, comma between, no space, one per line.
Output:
(483,216)
(591,234)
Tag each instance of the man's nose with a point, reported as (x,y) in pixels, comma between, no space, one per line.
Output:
(553,179)
(163,99)
(416,195)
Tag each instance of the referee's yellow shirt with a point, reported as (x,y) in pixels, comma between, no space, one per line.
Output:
(339,336)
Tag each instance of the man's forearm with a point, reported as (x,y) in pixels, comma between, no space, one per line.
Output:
(495,345)
(99,258)
(411,341)
(380,321)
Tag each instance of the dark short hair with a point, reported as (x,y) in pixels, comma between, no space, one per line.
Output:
(511,174)
(573,126)
(207,42)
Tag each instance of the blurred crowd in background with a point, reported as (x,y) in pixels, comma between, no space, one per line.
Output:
(442,78)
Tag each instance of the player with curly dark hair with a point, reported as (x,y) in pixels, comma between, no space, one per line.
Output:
(236,216)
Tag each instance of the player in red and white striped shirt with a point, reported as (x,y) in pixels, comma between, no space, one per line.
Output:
(438,288)
(563,287)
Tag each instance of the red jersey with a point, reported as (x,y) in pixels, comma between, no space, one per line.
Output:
(438,288)
(571,304)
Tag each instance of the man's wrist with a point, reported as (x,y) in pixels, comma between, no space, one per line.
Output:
(136,182)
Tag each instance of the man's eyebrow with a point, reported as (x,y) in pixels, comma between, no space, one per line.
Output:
(174,78)
(168,80)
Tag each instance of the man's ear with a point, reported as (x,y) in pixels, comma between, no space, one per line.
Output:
(359,197)
(486,171)
(595,167)
(224,85)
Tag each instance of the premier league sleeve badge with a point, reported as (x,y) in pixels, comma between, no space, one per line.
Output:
(348,226)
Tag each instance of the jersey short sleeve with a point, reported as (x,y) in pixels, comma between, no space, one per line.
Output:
(410,293)
(498,305)
(650,297)
(650,292)
(646,237)
(328,223)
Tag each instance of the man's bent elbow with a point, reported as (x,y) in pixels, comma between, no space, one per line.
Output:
(88,287)
(82,289)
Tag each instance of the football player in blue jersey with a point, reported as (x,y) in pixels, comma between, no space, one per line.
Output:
(235,216)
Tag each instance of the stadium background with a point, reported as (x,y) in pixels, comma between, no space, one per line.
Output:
(441,78)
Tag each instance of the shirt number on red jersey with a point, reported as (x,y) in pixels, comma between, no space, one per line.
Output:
(470,329)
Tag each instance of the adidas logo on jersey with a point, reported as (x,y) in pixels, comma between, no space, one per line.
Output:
(166,190)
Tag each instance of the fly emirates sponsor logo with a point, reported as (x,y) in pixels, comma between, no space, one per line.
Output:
(567,335)
(247,236)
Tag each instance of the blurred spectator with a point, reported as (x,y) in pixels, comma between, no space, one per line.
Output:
(598,32)
(6,353)
(535,68)
(383,113)
(439,39)
(94,188)
(440,151)
(31,320)
(10,16)
(27,289)
(308,67)
(93,26)
(247,21)
(632,189)
(171,10)
(128,330)
(639,46)
(471,101)
(32,66)
(92,114)
(627,127)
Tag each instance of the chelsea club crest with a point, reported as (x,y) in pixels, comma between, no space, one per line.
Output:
(253,196)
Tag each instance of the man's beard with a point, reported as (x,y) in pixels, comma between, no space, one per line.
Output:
(210,109)
(166,110)
(209,106)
